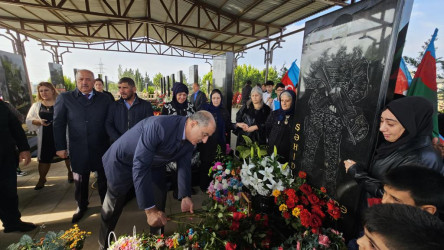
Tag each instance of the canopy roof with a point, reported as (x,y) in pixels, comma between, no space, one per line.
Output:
(193,28)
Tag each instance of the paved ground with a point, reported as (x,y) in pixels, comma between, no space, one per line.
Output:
(53,206)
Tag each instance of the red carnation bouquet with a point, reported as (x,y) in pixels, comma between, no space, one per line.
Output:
(305,207)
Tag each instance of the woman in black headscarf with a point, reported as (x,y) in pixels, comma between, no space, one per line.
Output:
(179,105)
(279,124)
(407,126)
(223,126)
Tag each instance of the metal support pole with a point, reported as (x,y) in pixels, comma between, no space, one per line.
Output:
(268,57)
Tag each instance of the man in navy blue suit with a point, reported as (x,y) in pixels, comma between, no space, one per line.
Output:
(84,112)
(138,159)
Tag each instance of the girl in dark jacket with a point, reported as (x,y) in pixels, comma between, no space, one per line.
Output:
(406,125)
(223,126)
(279,125)
(179,105)
(250,119)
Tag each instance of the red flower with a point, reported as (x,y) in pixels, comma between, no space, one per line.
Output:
(290,203)
(302,174)
(230,246)
(304,200)
(313,199)
(238,216)
(305,188)
(333,210)
(291,193)
(257,217)
(286,215)
(305,217)
(315,221)
(323,190)
(234,225)
(265,220)
(317,210)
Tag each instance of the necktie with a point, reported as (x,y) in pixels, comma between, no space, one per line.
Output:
(87,96)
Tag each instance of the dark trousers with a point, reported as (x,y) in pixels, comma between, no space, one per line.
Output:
(115,200)
(9,213)
(82,187)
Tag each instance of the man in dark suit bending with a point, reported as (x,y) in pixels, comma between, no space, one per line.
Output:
(84,111)
(138,159)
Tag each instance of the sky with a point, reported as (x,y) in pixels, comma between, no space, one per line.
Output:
(425,17)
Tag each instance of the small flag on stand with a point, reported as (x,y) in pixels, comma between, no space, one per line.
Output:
(403,80)
(291,77)
(424,83)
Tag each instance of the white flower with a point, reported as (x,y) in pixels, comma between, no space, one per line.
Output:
(236,198)
(262,191)
(219,167)
(227,171)
(264,162)
(276,185)
(284,169)
(267,173)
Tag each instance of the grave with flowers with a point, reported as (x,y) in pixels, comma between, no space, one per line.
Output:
(254,202)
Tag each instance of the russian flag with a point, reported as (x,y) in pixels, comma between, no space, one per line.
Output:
(291,77)
(403,80)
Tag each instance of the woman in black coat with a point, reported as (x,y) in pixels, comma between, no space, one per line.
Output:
(179,104)
(223,126)
(406,125)
(279,125)
(250,119)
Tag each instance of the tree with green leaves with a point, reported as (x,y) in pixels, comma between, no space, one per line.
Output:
(203,84)
(69,84)
(156,80)
(242,73)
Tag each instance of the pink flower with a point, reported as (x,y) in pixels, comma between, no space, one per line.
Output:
(298,246)
(324,240)
(227,149)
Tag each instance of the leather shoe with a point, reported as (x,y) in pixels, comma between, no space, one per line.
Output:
(78,215)
(21,227)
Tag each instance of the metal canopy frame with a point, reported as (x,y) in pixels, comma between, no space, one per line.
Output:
(184,28)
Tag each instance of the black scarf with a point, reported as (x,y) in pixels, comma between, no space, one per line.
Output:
(280,113)
(179,88)
(217,113)
(415,115)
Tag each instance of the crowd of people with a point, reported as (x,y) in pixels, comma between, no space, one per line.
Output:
(92,132)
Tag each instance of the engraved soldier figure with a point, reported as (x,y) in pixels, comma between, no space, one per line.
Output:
(338,81)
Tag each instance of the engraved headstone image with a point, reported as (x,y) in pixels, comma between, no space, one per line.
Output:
(56,73)
(345,67)
(15,87)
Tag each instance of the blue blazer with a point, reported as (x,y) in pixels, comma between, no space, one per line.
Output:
(150,144)
(85,119)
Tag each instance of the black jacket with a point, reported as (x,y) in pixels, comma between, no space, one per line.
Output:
(251,116)
(120,119)
(200,99)
(279,135)
(417,151)
(85,119)
(11,133)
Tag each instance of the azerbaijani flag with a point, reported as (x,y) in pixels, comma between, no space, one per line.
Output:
(403,80)
(424,82)
(291,77)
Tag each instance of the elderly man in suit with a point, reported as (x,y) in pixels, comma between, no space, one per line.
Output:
(84,112)
(138,159)
(12,136)
(198,98)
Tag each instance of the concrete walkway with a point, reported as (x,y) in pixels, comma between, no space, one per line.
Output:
(52,207)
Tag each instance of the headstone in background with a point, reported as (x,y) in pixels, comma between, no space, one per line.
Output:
(180,76)
(13,82)
(193,76)
(56,73)
(223,77)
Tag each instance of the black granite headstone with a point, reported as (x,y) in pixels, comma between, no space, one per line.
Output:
(347,59)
